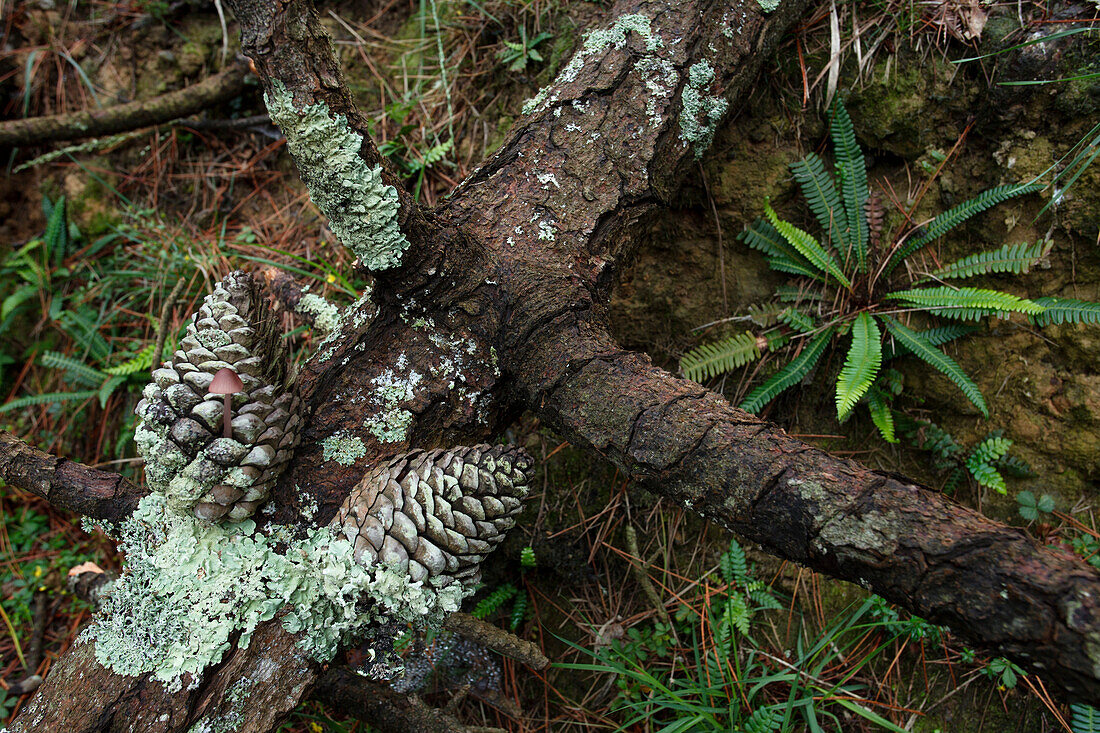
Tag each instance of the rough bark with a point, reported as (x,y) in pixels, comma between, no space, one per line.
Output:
(129,116)
(66,484)
(519,264)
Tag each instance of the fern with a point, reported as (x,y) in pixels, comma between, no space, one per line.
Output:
(78,369)
(793,373)
(1086,718)
(737,613)
(519,611)
(108,388)
(853,182)
(986,475)
(954,481)
(733,564)
(1014,467)
(860,367)
(42,399)
(710,360)
(782,257)
(1066,310)
(769,719)
(1014,258)
(797,320)
(56,237)
(820,192)
(951,218)
(881,414)
(937,360)
(807,246)
(965,303)
(490,603)
(141,362)
(765,315)
(795,294)
(937,336)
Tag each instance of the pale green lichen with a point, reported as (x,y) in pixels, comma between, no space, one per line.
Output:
(343,447)
(768,5)
(190,587)
(701,112)
(361,208)
(326,316)
(233,705)
(358,312)
(595,42)
(391,423)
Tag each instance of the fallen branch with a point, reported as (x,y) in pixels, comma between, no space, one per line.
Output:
(130,116)
(66,484)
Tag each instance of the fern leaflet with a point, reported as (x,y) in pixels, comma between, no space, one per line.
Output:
(797,320)
(1014,258)
(1086,718)
(490,603)
(853,182)
(767,720)
(793,373)
(42,399)
(762,236)
(78,369)
(807,246)
(953,217)
(937,360)
(710,360)
(860,367)
(881,414)
(965,303)
(765,315)
(141,362)
(56,237)
(820,192)
(1066,310)
(936,336)
(735,566)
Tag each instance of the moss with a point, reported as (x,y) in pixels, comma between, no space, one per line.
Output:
(701,112)
(190,587)
(361,208)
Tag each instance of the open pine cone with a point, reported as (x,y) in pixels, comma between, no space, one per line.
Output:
(437,514)
(187,458)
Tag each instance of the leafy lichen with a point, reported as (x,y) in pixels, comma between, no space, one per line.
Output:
(361,208)
(191,586)
(343,447)
(768,5)
(701,112)
(326,316)
(596,42)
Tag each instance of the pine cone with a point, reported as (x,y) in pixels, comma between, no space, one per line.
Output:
(437,514)
(187,458)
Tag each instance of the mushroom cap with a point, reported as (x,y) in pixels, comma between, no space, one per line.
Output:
(225,381)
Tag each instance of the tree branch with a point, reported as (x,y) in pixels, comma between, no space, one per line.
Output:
(130,116)
(66,484)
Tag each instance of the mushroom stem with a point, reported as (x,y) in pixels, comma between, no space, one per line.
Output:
(227,428)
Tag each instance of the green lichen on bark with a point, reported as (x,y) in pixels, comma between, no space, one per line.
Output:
(701,112)
(343,447)
(768,6)
(190,587)
(326,316)
(361,208)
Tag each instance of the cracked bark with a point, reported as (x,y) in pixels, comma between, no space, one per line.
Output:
(481,273)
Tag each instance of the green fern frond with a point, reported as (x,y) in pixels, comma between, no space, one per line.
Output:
(795,294)
(861,365)
(1066,310)
(767,720)
(793,373)
(1086,718)
(734,563)
(782,264)
(56,237)
(953,217)
(141,362)
(108,388)
(42,399)
(776,339)
(937,336)
(954,481)
(991,449)
(490,603)
(797,320)
(710,360)
(1014,258)
(937,360)
(737,613)
(929,436)
(1014,467)
(965,303)
(852,170)
(820,192)
(763,237)
(807,246)
(519,611)
(881,414)
(78,369)
(986,475)
(764,315)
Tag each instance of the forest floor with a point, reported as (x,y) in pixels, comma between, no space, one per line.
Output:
(649,614)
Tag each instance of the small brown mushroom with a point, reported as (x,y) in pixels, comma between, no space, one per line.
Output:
(226,382)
